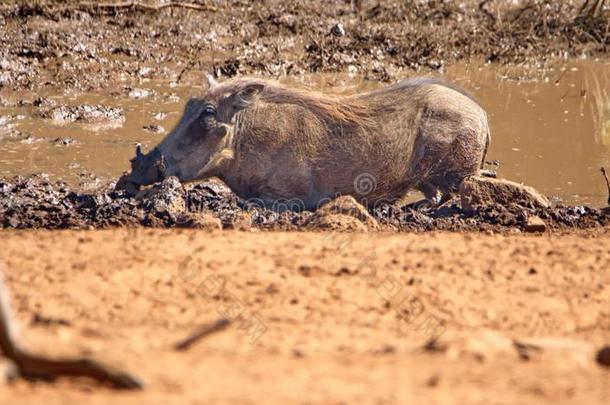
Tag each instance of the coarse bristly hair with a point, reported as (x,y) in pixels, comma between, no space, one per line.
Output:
(344,109)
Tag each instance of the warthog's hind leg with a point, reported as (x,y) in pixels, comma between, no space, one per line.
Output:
(434,197)
(431,194)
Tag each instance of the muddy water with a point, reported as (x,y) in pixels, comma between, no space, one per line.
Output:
(553,132)
(550,129)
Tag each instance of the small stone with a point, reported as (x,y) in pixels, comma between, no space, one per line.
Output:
(535,224)
(603,356)
(156,129)
(139,93)
(64,141)
(160,116)
(337,30)
(145,71)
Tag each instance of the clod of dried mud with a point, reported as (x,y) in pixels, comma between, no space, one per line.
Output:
(85,113)
(36,202)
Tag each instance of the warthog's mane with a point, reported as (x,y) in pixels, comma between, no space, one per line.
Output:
(359,109)
(337,109)
(418,82)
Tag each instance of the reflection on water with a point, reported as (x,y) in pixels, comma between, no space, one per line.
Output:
(552,133)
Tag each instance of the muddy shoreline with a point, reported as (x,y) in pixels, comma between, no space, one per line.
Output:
(68,45)
(37,202)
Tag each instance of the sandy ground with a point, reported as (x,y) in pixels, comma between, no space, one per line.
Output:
(318,317)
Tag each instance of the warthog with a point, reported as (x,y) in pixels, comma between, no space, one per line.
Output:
(271,143)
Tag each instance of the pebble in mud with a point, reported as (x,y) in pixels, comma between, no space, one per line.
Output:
(64,141)
(137,93)
(155,129)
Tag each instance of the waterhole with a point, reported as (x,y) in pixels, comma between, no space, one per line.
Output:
(550,127)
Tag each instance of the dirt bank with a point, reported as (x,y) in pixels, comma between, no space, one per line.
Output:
(518,319)
(37,202)
(70,46)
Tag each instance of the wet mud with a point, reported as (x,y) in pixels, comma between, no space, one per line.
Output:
(71,45)
(37,202)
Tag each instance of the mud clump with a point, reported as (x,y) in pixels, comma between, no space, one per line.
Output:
(335,222)
(64,141)
(199,220)
(534,224)
(37,202)
(478,191)
(85,113)
(164,200)
(344,214)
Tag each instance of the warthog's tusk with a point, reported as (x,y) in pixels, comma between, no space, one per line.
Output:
(226,151)
(139,153)
(211,81)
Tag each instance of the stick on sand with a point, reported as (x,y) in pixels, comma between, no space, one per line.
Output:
(33,366)
(204,331)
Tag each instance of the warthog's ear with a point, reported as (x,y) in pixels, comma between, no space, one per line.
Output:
(244,97)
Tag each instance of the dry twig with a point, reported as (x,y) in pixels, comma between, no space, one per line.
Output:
(204,331)
(603,170)
(32,366)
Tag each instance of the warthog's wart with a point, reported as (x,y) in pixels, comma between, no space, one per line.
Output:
(271,143)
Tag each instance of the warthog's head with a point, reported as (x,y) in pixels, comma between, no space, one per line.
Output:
(200,142)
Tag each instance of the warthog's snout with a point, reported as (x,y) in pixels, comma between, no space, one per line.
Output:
(145,169)
(199,144)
